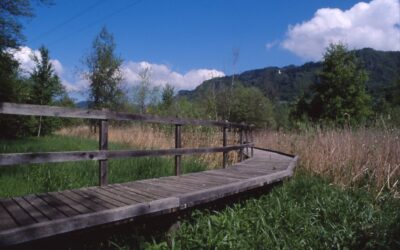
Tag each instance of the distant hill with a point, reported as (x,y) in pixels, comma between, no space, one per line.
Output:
(285,84)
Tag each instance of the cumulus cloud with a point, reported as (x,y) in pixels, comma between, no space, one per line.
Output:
(375,25)
(24,55)
(161,74)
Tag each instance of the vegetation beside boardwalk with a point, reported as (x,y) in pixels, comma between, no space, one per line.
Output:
(305,212)
(38,178)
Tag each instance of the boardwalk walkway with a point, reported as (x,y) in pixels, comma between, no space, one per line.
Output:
(32,217)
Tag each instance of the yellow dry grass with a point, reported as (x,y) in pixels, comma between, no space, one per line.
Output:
(368,157)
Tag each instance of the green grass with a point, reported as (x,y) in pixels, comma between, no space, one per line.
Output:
(37,178)
(304,213)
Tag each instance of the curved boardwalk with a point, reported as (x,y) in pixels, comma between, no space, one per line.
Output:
(32,217)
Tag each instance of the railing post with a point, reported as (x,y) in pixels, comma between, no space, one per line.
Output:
(103,145)
(178,144)
(241,137)
(252,139)
(224,140)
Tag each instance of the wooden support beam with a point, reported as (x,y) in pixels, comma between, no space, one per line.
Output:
(241,137)
(103,145)
(224,142)
(178,144)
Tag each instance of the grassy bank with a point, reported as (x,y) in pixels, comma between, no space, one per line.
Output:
(36,178)
(304,213)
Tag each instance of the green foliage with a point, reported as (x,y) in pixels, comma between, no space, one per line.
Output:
(339,95)
(250,106)
(167,96)
(37,178)
(10,21)
(13,89)
(46,89)
(104,73)
(306,212)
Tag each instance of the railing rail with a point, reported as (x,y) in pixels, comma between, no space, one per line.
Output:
(103,154)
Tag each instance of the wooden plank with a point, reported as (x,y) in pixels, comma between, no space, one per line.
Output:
(210,194)
(151,189)
(220,180)
(6,219)
(22,158)
(44,208)
(31,210)
(115,194)
(227,174)
(106,197)
(83,221)
(173,189)
(43,110)
(181,184)
(82,200)
(195,181)
(95,198)
(135,196)
(17,212)
(140,192)
(58,204)
(82,209)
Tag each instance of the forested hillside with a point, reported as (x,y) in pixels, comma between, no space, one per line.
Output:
(285,84)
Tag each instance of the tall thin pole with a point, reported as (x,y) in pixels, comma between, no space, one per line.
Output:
(224,143)
(103,145)
(178,144)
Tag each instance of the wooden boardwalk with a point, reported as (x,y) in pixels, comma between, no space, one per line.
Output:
(32,217)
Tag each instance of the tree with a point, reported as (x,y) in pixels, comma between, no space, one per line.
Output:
(142,91)
(250,106)
(339,95)
(12,87)
(167,98)
(104,73)
(10,23)
(46,86)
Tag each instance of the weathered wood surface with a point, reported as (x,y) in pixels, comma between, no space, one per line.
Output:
(23,219)
(43,110)
(101,155)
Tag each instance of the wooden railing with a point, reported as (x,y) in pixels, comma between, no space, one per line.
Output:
(103,154)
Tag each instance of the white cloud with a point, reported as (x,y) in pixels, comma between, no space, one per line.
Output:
(161,74)
(375,24)
(24,55)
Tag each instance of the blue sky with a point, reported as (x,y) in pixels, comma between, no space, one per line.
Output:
(182,37)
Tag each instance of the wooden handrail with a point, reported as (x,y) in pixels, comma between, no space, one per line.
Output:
(103,154)
(54,111)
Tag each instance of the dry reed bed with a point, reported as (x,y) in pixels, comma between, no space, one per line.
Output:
(155,137)
(368,157)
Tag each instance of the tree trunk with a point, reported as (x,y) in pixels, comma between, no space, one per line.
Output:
(40,126)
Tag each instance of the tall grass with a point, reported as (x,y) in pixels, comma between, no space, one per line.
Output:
(162,137)
(368,157)
(37,178)
(304,213)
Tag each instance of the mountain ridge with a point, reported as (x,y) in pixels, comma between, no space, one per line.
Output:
(284,84)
